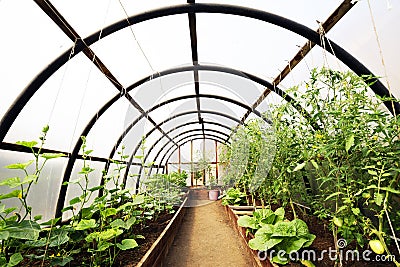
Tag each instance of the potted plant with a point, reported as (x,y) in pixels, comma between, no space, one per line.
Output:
(213,191)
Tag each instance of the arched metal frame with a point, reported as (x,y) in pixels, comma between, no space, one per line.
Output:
(168,132)
(187,141)
(190,131)
(202,111)
(82,45)
(240,104)
(204,136)
(165,154)
(176,128)
(249,76)
(183,114)
(173,151)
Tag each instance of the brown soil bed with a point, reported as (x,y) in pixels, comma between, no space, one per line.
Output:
(151,232)
(127,258)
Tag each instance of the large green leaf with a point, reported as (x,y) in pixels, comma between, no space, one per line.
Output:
(37,243)
(349,142)
(51,222)
(11,182)
(4,234)
(110,233)
(15,259)
(284,229)
(109,212)
(58,239)
(131,221)
(127,244)
(301,227)
(248,222)
(61,261)
(280,214)
(86,224)
(27,144)
(310,238)
(292,244)
(137,199)
(20,166)
(104,235)
(103,246)
(25,230)
(52,155)
(118,223)
(75,200)
(262,239)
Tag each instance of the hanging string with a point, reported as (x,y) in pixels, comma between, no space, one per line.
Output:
(61,83)
(87,82)
(144,55)
(134,36)
(381,54)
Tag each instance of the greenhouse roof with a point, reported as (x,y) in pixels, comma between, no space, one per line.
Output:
(172,71)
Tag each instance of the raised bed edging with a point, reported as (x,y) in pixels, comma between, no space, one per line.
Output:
(159,250)
(245,239)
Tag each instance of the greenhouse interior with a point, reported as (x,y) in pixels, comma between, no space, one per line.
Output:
(188,133)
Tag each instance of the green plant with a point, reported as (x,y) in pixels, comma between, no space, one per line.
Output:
(282,238)
(345,150)
(17,227)
(260,218)
(234,196)
(275,234)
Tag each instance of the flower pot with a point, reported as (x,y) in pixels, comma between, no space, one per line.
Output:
(213,194)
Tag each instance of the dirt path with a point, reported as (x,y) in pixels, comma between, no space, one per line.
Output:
(206,239)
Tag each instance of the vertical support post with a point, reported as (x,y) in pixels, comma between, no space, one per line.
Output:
(166,168)
(204,157)
(179,159)
(191,163)
(216,161)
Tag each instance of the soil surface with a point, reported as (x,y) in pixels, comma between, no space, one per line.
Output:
(207,239)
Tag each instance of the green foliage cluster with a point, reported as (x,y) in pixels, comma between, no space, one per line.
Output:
(104,220)
(340,158)
(273,233)
(234,196)
(336,152)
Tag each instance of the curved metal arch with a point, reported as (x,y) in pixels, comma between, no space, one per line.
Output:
(239,73)
(165,154)
(176,116)
(333,48)
(183,98)
(285,23)
(302,30)
(173,151)
(185,142)
(205,136)
(180,140)
(172,130)
(186,132)
(192,139)
(169,149)
(131,125)
(198,111)
(188,113)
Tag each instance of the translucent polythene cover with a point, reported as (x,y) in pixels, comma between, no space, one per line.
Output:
(159,74)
